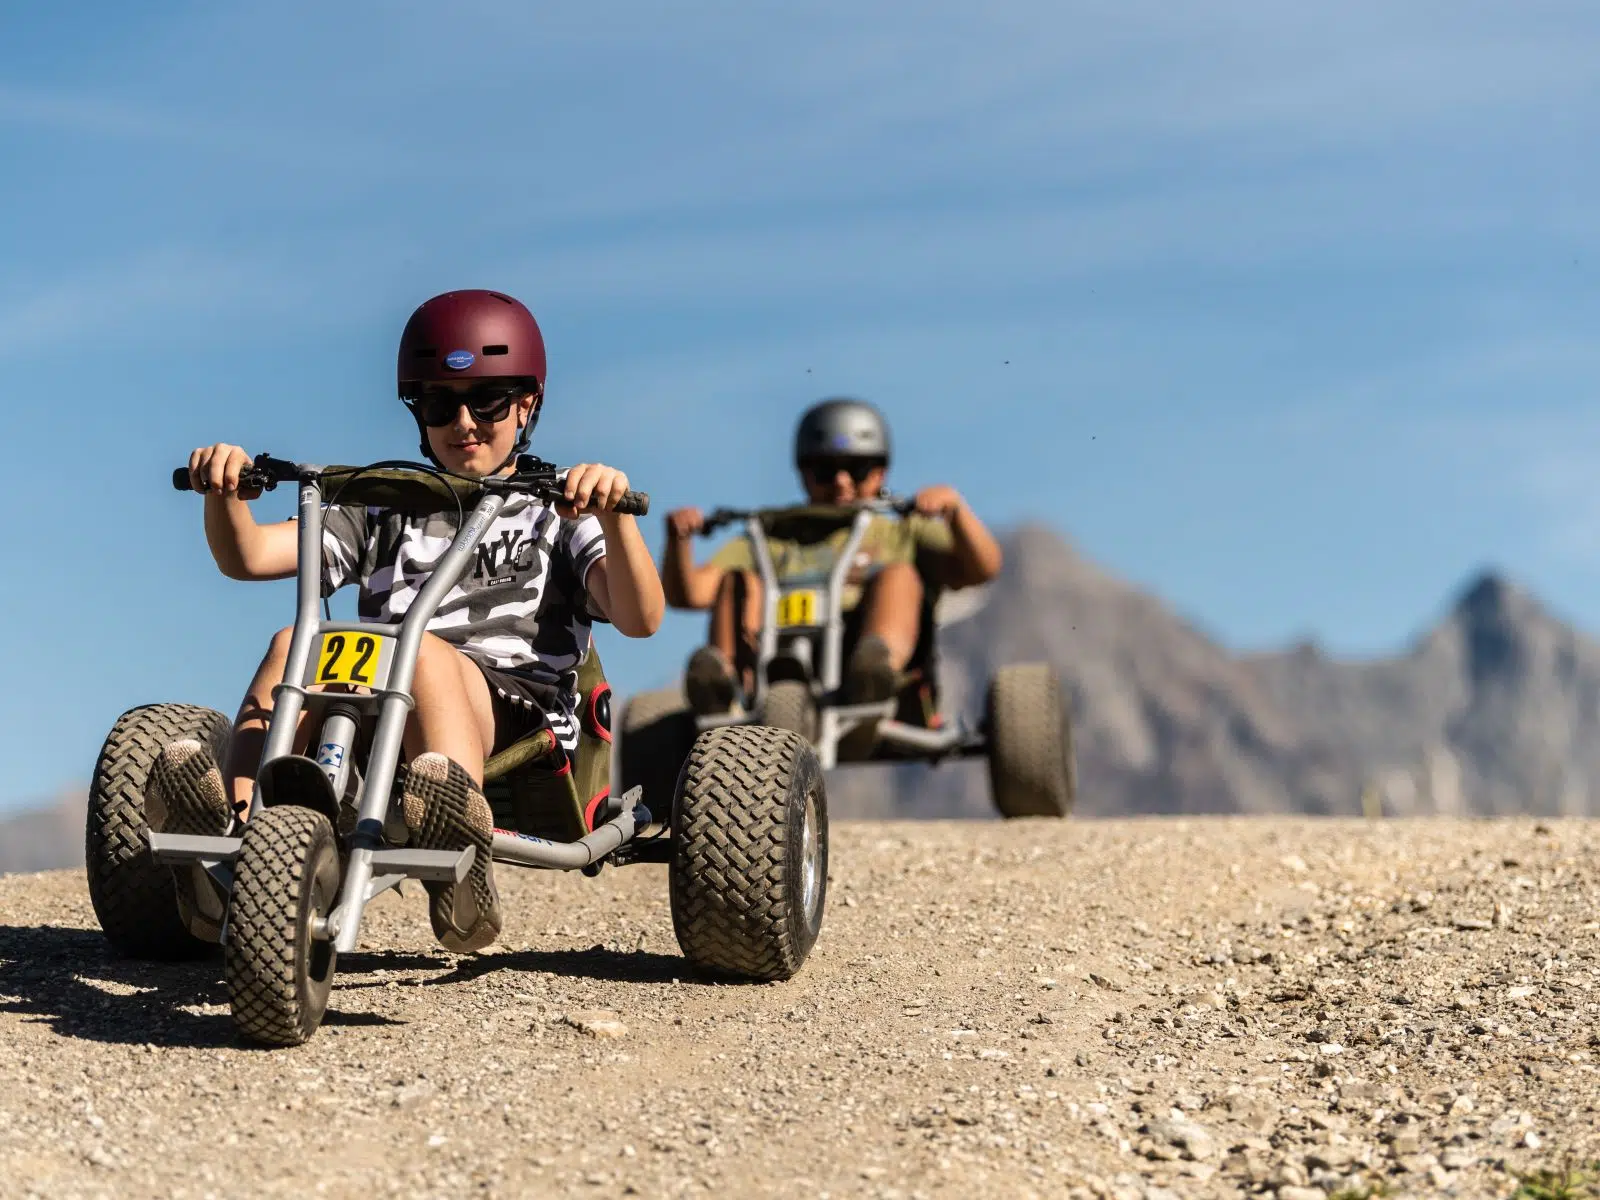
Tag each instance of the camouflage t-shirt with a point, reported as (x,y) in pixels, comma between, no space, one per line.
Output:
(524,606)
(804,547)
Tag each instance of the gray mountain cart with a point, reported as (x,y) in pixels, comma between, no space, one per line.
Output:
(1025,732)
(744,831)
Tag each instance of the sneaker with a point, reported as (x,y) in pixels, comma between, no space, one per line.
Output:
(869,678)
(708,682)
(185,793)
(445,810)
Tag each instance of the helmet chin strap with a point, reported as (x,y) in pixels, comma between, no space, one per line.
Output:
(524,436)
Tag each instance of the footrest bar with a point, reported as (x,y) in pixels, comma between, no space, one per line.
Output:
(932,741)
(442,866)
(173,849)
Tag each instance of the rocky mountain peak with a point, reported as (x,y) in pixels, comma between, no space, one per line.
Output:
(1492,599)
(1496,709)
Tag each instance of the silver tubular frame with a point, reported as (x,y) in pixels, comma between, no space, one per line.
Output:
(833,627)
(835,720)
(762,553)
(394,704)
(528,851)
(371,869)
(289,699)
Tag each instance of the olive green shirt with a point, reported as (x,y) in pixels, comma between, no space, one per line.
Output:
(805,545)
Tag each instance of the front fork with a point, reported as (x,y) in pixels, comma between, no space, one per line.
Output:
(336,744)
(335,740)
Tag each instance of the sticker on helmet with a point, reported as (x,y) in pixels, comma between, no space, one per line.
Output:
(841,441)
(460,360)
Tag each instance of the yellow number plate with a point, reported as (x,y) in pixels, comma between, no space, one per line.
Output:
(356,658)
(797,608)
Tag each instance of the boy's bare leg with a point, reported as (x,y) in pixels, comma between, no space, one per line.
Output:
(250,725)
(729,653)
(453,713)
(735,617)
(891,617)
(891,608)
(450,733)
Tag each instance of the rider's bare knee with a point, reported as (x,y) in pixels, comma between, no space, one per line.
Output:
(736,586)
(738,605)
(436,654)
(278,648)
(900,579)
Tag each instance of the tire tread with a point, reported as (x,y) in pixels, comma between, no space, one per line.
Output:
(259,964)
(133,896)
(731,894)
(1031,768)
(789,704)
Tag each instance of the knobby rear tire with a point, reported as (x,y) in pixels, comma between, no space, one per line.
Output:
(789,704)
(132,894)
(749,873)
(1032,772)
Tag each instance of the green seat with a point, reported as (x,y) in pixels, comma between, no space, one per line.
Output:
(528,784)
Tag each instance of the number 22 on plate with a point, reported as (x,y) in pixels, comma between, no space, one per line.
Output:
(349,658)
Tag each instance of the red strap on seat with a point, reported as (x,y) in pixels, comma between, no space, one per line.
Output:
(593,806)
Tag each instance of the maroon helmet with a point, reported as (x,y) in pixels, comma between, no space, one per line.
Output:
(472,334)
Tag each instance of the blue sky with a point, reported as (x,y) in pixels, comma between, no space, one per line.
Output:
(1285,311)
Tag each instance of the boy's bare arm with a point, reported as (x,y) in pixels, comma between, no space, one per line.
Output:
(975,556)
(242,548)
(686,585)
(624,584)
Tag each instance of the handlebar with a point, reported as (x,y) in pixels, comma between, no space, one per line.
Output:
(548,481)
(718,518)
(532,476)
(264,472)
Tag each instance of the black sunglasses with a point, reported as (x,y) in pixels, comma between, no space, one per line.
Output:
(438,406)
(824,470)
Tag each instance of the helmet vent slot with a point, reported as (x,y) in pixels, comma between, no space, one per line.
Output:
(426,352)
(497,350)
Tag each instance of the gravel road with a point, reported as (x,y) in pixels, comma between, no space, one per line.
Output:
(1134,1009)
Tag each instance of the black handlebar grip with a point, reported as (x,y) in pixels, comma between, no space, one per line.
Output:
(180,480)
(634,504)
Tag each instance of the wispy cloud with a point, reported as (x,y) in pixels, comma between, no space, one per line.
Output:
(1512,425)
(94,115)
(726,156)
(171,288)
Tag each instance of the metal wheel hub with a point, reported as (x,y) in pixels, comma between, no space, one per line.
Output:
(811,860)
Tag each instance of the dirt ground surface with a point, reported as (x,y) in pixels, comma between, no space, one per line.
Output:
(1135,1009)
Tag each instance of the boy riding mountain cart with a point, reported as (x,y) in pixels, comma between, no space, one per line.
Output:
(466,695)
(842,452)
(824,624)
(500,661)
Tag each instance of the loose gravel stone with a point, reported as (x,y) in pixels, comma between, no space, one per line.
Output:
(1086,1008)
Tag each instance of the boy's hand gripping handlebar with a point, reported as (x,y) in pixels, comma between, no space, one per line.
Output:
(264,472)
(548,482)
(532,475)
(718,518)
